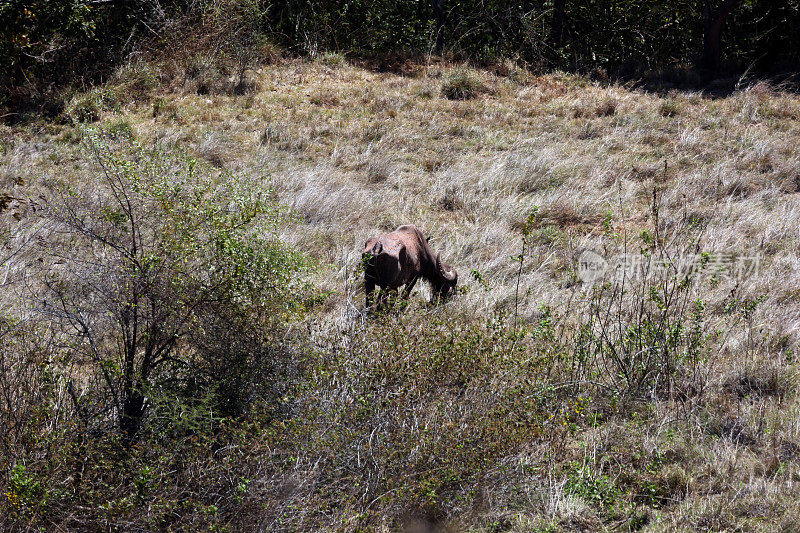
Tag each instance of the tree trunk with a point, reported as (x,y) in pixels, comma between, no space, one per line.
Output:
(438,11)
(132,412)
(557,25)
(712,35)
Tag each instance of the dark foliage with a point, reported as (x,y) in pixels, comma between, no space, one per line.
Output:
(578,34)
(45,45)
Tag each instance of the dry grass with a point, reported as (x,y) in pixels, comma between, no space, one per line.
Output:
(354,153)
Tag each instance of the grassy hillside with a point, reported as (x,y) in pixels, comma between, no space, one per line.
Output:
(533,400)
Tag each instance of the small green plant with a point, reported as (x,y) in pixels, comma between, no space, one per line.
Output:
(527,228)
(142,483)
(26,495)
(478,277)
(593,487)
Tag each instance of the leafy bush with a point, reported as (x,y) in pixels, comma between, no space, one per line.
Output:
(26,495)
(150,255)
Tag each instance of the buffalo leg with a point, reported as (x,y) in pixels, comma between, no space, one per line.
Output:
(391,298)
(409,287)
(383,296)
(369,288)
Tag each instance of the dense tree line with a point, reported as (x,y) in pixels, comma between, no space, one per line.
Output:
(571,34)
(47,41)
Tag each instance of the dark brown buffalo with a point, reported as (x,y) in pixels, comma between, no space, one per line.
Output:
(399,259)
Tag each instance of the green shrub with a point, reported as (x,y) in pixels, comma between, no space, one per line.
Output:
(162,251)
(26,494)
(414,412)
(646,335)
(592,486)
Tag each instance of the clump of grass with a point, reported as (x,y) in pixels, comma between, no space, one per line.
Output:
(789,180)
(606,107)
(461,85)
(548,235)
(759,381)
(203,74)
(279,136)
(732,428)
(589,131)
(781,108)
(533,182)
(332,59)
(511,71)
(432,164)
(529,175)
(325,99)
(71,135)
(84,108)
(669,107)
(243,85)
(738,186)
(673,482)
(761,91)
(451,199)
(378,170)
(761,159)
(214,150)
(426,92)
(565,215)
(218,74)
(120,129)
(163,106)
(135,80)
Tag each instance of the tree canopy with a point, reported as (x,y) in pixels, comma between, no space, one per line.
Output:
(46,41)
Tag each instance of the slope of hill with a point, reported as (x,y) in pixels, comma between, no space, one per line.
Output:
(536,399)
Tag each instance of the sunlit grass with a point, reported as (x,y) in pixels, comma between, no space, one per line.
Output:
(354,153)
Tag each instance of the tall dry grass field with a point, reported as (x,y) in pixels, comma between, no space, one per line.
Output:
(513,178)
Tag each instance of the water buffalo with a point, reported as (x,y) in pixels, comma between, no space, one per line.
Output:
(400,258)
